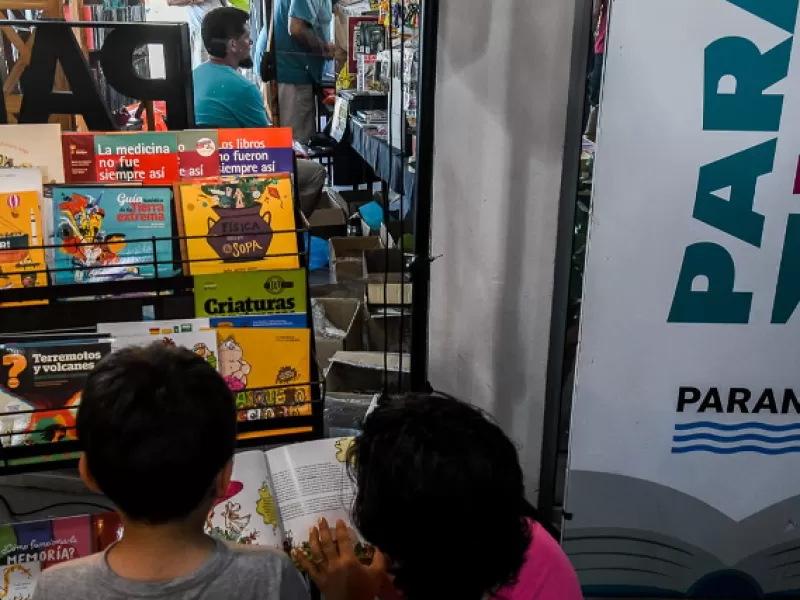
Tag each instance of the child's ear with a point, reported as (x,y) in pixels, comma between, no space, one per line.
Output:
(86,475)
(224,480)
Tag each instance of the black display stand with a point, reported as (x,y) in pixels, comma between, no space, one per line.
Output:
(69,314)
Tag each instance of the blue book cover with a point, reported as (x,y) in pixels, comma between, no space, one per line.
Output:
(106,233)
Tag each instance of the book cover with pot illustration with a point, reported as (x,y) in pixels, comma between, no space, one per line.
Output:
(20,234)
(105,233)
(245,224)
(268,370)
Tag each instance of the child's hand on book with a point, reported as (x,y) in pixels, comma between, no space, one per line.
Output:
(333,566)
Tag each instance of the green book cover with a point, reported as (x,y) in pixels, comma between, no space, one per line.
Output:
(250,293)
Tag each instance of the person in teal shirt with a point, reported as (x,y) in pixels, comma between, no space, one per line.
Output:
(302,45)
(223,97)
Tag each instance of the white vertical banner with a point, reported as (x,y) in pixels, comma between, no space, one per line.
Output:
(685,444)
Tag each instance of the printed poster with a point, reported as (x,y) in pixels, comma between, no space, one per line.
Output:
(686,423)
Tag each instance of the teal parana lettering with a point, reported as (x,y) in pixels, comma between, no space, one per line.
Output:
(736,76)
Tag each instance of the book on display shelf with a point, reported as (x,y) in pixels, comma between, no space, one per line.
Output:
(253,299)
(143,157)
(238,224)
(29,146)
(22,229)
(111,233)
(28,548)
(40,388)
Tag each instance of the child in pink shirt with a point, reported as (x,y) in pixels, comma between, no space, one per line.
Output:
(440,493)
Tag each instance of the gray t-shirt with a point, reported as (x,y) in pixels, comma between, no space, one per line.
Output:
(235,571)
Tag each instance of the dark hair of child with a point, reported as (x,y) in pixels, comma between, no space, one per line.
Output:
(221,25)
(157,425)
(441,494)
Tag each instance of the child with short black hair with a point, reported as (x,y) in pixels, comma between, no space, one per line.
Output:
(158,430)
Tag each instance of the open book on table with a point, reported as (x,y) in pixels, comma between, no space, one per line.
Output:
(275,497)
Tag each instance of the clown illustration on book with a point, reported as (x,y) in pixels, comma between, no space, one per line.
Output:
(108,234)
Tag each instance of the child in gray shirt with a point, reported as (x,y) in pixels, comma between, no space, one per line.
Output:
(158,428)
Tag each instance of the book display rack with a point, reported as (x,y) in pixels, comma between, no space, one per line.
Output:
(217,264)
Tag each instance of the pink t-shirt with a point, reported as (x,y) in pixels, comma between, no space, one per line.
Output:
(602,29)
(546,573)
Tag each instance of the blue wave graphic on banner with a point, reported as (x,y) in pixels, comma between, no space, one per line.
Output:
(688,439)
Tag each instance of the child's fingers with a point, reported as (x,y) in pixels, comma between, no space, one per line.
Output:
(326,539)
(343,540)
(316,548)
(306,564)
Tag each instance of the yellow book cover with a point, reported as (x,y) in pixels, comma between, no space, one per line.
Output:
(20,234)
(254,361)
(239,224)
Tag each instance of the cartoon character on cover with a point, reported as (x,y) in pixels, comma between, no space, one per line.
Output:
(232,365)
(81,232)
(208,355)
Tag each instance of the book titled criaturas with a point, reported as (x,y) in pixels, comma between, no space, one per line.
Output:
(253,299)
(239,224)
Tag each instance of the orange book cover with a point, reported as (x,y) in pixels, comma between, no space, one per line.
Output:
(254,361)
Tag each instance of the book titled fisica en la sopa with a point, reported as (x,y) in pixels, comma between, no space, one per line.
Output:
(111,233)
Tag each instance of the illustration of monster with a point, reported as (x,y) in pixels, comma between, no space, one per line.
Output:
(232,365)
(266,507)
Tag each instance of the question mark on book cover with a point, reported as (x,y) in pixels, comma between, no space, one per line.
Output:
(17,362)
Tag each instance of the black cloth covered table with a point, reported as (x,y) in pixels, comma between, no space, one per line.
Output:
(388,163)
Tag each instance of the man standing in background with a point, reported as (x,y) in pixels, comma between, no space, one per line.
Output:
(196,11)
(302,45)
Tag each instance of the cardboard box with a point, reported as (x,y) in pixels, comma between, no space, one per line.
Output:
(347,256)
(363,372)
(329,219)
(346,289)
(344,314)
(387,277)
(389,330)
(355,199)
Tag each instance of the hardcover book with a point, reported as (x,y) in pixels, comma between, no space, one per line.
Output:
(245,224)
(202,343)
(253,299)
(22,259)
(198,154)
(268,370)
(111,233)
(256,152)
(33,146)
(150,158)
(46,377)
